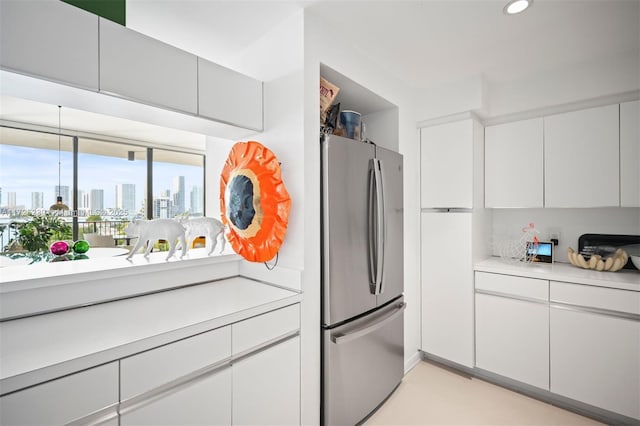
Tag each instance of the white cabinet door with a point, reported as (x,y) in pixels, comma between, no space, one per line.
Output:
(582,158)
(596,359)
(173,385)
(148,370)
(446,165)
(140,68)
(447,286)
(205,401)
(228,96)
(630,154)
(63,400)
(514,164)
(512,338)
(266,386)
(50,39)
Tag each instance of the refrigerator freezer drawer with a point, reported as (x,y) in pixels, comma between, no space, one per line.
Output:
(363,364)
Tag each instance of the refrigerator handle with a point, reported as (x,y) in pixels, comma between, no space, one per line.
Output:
(371,243)
(345,338)
(380,225)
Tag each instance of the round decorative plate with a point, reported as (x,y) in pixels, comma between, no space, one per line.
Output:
(254,203)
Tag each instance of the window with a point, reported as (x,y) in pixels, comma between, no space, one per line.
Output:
(29,171)
(112,182)
(178,184)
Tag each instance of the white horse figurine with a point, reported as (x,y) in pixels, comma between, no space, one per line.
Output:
(153,230)
(212,229)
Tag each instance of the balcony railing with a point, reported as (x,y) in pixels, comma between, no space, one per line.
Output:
(9,231)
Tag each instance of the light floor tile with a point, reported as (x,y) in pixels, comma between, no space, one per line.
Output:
(431,395)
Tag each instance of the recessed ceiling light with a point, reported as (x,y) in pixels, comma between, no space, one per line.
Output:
(516,6)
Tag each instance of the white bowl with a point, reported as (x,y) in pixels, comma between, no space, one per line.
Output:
(636,261)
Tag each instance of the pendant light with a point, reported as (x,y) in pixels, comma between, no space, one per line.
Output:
(59,205)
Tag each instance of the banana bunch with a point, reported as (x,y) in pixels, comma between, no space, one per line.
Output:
(611,263)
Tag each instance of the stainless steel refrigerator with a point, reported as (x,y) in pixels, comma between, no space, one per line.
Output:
(362,278)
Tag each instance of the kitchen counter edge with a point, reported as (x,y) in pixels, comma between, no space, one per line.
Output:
(625,279)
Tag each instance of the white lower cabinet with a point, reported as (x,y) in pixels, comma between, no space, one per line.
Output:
(91,391)
(185,382)
(203,401)
(447,286)
(198,380)
(595,346)
(512,327)
(266,386)
(207,380)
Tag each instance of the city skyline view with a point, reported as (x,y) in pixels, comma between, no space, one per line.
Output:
(27,187)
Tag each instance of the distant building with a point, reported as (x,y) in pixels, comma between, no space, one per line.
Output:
(11,199)
(126,198)
(96,200)
(178,195)
(197,201)
(83,200)
(162,208)
(37,200)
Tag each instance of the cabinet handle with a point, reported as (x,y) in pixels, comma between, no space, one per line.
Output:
(598,311)
(511,296)
(97,417)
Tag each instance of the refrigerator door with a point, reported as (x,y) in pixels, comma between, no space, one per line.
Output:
(364,362)
(347,278)
(393,256)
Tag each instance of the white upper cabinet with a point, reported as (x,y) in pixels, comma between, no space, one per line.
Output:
(50,39)
(141,68)
(630,154)
(446,171)
(582,166)
(514,164)
(228,96)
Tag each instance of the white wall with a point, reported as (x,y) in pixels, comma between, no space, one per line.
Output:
(455,97)
(217,150)
(597,78)
(594,79)
(276,59)
(571,223)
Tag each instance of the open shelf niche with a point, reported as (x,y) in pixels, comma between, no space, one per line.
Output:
(379,115)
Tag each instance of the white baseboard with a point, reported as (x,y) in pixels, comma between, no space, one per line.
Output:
(412,362)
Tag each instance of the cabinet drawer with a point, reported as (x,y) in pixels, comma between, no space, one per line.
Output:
(596,297)
(150,369)
(262,328)
(63,400)
(531,288)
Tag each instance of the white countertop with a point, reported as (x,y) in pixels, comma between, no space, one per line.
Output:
(625,279)
(43,347)
(44,274)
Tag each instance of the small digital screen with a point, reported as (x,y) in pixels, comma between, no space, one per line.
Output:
(541,249)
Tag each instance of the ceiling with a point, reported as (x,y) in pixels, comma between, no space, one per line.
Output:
(423,43)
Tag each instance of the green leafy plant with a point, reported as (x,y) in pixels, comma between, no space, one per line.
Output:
(41,230)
